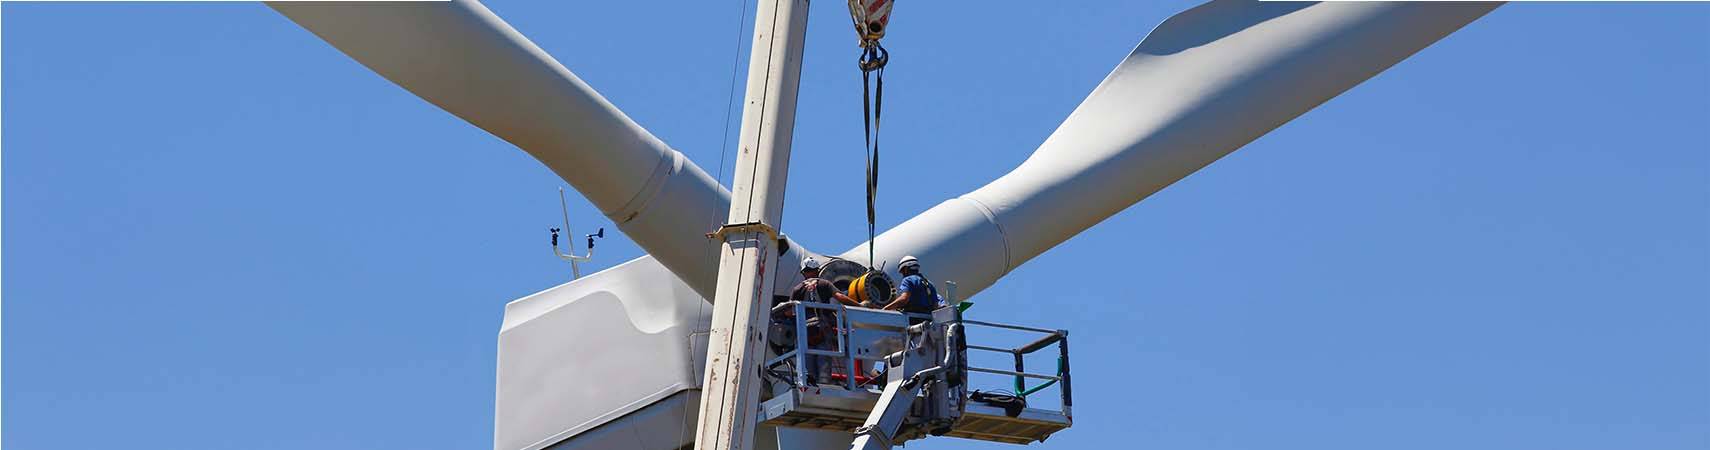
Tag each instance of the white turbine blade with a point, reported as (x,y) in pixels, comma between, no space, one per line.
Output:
(462,58)
(1204,83)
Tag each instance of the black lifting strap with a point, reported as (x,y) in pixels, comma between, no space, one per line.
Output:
(872,62)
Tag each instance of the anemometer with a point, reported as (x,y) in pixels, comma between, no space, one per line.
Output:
(575,261)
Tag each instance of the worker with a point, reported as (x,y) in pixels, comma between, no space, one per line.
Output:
(821,329)
(816,289)
(915,293)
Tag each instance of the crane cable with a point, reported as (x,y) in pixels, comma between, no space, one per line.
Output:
(871,18)
(872,63)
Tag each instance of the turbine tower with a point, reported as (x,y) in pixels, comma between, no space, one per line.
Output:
(1202,84)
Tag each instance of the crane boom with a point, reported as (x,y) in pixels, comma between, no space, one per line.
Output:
(747,269)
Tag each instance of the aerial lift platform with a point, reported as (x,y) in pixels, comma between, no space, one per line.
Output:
(823,375)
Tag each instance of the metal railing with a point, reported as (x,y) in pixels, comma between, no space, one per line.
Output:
(802,349)
(842,329)
(841,351)
(1060,338)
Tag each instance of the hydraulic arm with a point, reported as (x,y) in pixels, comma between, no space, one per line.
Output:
(923,382)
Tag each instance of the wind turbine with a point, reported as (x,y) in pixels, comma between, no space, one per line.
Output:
(1204,83)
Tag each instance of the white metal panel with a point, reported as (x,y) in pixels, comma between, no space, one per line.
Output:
(662,425)
(588,352)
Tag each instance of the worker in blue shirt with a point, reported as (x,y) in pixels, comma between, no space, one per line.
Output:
(915,293)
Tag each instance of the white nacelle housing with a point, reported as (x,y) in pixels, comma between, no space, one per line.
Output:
(616,350)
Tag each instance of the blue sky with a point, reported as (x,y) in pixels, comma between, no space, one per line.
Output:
(220,232)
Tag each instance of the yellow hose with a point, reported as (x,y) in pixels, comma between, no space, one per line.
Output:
(858,288)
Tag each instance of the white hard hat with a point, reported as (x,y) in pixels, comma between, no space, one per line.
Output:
(810,264)
(908,261)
